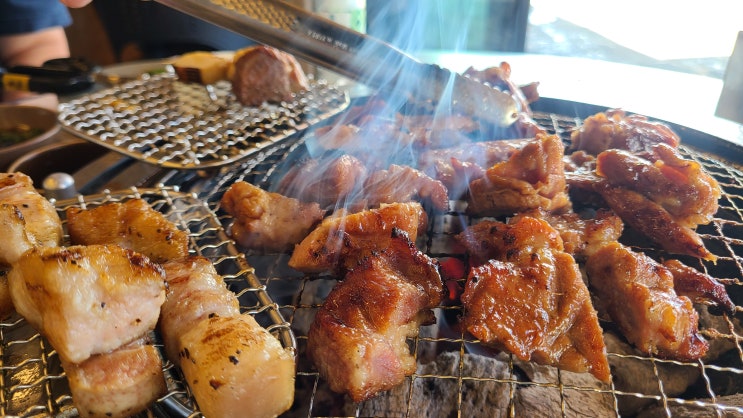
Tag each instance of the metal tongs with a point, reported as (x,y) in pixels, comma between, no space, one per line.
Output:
(355,55)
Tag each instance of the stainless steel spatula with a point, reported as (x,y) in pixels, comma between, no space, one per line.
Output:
(355,55)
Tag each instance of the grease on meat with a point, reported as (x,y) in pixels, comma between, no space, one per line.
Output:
(529,298)
(358,338)
(268,221)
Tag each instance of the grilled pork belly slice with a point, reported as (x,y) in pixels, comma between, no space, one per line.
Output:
(134,225)
(42,223)
(264,74)
(121,383)
(529,297)
(87,299)
(268,221)
(358,340)
(342,239)
(195,292)
(236,368)
(16,238)
(638,294)
(533,177)
(615,129)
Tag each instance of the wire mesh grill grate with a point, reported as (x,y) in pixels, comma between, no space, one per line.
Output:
(172,124)
(33,382)
(457,376)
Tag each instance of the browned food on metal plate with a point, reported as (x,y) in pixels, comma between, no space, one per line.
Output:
(688,193)
(268,221)
(87,299)
(330,182)
(698,286)
(133,224)
(342,239)
(358,340)
(531,178)
(529,299)
(41,225)
(121,383)
(195,292)
(614,129)
(234,366)
(264,74)
(404,184)
(638,294)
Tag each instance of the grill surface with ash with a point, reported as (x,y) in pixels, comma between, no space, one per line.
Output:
(457,376)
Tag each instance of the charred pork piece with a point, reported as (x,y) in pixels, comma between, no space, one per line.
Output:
(341,240)
(456,167)
(358,339)
(121,383)
(268,221)
(32,219)
(234,366)
(653,221)
(405,184)
(614,129)
(681,187)
(329,182)
(699,287)
(581,236)
(529,298)
(264,74)
(134,225)
(87,299)
(638,294)
(533,177)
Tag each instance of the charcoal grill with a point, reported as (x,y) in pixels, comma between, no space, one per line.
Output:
(447,378)
(456,375)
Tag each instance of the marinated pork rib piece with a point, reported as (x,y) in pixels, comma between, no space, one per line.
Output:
(133,224)
(342,239)
(638,294)
(43,225)
(581,236)
(531,178)
(530,299)
(500,77)
(87,299)
(195,292)
(680,186)
(330,182)
(358,338)
(121,383)
(268,221)
(264,74)
(653,221)
(404,184)
(614,129)
(457,166)
(234,366)
(698,287)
